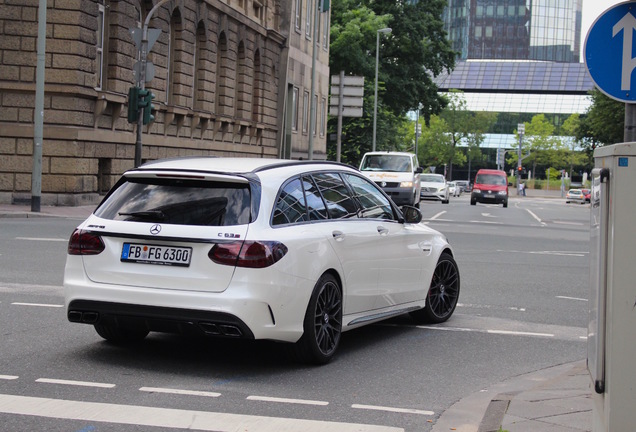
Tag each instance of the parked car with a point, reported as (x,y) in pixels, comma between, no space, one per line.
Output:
(454,189)
(291,251)
(490,186)
(434,187)
(397,173)
(575,195)
(588,194)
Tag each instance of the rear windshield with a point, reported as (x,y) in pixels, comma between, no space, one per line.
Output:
(490,179)
(180,202)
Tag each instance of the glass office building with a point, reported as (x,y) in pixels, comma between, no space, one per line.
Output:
(545,30)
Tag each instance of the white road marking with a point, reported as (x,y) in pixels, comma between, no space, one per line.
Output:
(438,215)
(519,333)
(172,418)
(489,331)
(572,298)
(537,218)
(569,223)
(74,383)
(285,400)
(37,304)
(558,253)
(390,409)
(476,306)
(42,239)
(179,391)
(9,377)
(486,222)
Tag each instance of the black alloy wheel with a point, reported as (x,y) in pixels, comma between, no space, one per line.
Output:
(443,292)
(322,324)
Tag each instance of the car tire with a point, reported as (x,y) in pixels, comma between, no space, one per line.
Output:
(121,335)
(443,292)
(322,324)
(505,204)
(473,201)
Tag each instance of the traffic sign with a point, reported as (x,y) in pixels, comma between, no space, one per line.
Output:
(609,52)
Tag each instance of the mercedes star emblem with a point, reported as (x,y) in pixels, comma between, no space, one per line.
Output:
(155,229)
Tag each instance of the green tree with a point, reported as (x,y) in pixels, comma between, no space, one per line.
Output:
(574,156)
(466,126)
(436,145)
(415,48)
(538,141)
(603,123)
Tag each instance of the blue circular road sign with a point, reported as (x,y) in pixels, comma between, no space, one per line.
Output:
(610,52)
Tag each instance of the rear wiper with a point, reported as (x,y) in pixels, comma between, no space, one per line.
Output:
(155,215)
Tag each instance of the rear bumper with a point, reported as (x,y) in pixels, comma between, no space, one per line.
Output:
(160,319)
(249,307)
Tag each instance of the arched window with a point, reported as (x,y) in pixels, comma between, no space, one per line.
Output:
(243,88)
(200,52)
(174,48)
(224,82)
(257,88)
(101,66)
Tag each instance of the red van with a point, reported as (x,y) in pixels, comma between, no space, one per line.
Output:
(490,186)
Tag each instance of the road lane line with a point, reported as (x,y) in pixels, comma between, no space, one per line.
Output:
(285,400)
(390,409)
(37,304)
(74,383)
(519,333)
(179,391)
(9,377)
(489,331)
(572,298)
(172,418)
(438,215)
(537,218)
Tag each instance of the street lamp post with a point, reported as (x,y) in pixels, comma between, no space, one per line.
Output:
(375,100)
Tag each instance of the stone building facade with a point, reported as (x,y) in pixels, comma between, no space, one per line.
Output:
(222,70)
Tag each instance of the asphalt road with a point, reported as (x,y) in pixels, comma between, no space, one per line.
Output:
(523,307)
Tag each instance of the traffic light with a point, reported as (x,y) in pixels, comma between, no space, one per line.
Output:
(133,104)
(145,103)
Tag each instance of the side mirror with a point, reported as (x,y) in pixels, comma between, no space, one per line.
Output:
(509,183)
(419,170)
(411,214)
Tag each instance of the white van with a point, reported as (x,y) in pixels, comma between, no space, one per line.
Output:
(397,173)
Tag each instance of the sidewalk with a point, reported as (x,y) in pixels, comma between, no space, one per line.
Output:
(557,399)
(24,211)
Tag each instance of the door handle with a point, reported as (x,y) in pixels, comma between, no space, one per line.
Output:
(338,235)
(382,230)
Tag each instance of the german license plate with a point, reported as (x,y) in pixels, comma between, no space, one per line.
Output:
(156,254)
(489,196)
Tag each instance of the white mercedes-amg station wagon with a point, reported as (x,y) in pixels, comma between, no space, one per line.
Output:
(291,251)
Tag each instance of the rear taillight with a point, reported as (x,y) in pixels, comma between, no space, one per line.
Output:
(252,254)
(85,243)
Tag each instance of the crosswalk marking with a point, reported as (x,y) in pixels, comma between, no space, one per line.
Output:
(171,418)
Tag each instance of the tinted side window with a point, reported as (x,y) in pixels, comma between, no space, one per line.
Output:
(315,204)
(374,204)
(180,202)
(290,205)
(340,204)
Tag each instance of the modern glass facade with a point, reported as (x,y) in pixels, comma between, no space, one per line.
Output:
(547,30)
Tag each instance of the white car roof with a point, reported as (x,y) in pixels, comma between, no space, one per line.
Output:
(240,166)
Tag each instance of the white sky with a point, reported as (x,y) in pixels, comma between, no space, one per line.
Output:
(592,9)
